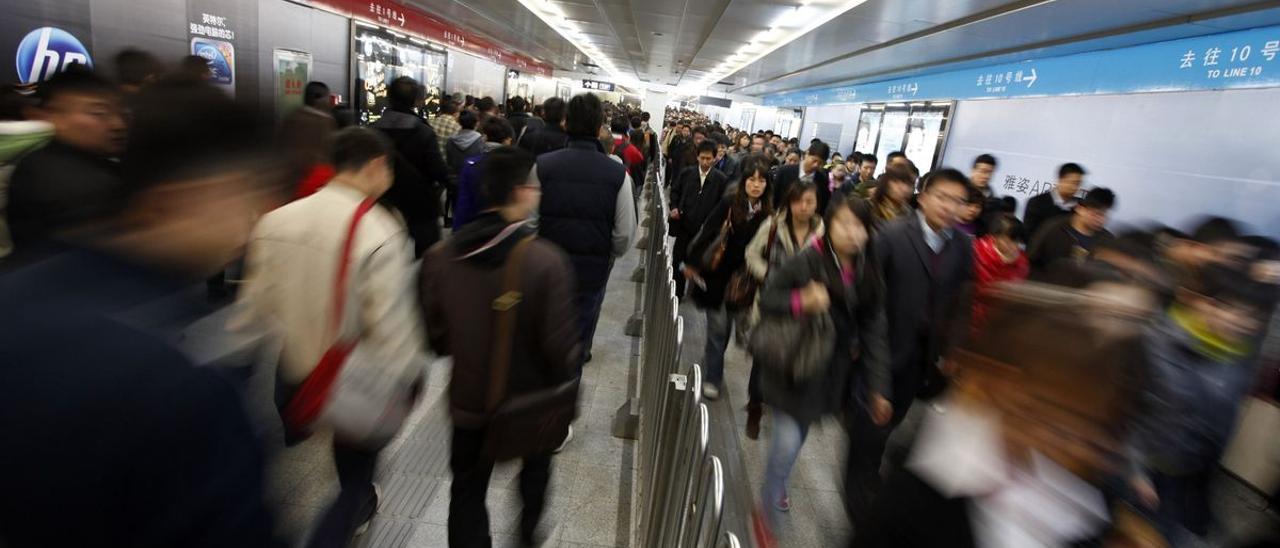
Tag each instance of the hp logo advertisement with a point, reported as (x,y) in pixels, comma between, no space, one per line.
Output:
(46,51)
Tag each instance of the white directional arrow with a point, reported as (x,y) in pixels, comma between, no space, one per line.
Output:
(1031,78)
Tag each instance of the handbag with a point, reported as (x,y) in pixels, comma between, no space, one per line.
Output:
(350,390)
(534,423)
(743,286)
(798,348)
(714,254)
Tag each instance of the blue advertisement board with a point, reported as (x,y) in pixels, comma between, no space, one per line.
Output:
(1242,59)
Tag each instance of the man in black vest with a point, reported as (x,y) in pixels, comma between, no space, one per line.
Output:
(550,136)
(696,192)
(928,265)
(587,208)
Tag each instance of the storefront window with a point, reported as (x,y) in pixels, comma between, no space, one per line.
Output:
(381,57)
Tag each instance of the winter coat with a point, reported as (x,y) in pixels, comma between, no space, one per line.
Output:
(420,174)
(734,258)
(56,188)
(989,269)
(461,278)
(544,140)
(470,200)
(16,139)
(860,362)
(465,144)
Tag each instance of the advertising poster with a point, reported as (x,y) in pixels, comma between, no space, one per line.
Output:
(292,72)
(38,39)
(212,34)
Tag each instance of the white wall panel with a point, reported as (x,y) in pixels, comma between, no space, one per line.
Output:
(1169,157)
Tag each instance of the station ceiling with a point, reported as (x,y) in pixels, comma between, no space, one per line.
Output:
(693,42)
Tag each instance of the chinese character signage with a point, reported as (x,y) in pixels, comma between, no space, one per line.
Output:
(597,85)
(212,35)
(293,71)
(1242,59)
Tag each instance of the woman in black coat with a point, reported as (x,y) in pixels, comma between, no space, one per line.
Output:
(836,275)
(738,218)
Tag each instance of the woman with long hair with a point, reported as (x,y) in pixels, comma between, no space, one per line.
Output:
(837,276)
(782,236)
(717,252)
(892,195)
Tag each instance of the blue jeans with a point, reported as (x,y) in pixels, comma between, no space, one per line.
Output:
(784,447)
(719,326)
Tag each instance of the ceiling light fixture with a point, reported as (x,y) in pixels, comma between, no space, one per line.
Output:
(810,14)
(554,17)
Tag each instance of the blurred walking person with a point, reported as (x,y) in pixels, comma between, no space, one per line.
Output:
(716,253)
(835,277)
(527,349)
(694,194)
(997,258)
(780,237)
(292,287)
(104,417)
(307,136)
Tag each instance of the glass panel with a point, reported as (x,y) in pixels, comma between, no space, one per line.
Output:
(893,129)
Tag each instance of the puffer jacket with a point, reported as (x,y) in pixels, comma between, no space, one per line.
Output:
(772,246)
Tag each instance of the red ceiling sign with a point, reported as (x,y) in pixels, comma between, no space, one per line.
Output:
(411,20)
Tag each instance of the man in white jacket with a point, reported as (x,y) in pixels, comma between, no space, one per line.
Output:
(292,266)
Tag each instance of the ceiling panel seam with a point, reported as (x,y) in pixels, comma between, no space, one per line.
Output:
(706,34)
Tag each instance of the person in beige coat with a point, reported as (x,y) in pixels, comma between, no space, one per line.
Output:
(780,237)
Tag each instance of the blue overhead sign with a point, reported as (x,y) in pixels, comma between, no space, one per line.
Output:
(1243,59)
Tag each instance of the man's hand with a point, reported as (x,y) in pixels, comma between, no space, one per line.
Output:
(690,273)
(1145,491)
(881,410)
(675,214)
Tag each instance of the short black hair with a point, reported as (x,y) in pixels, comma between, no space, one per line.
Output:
(636,122)
(553,110)
(584,117)
(403,93)
(448,107)
(946,175)
(896,154)
(497,129)
(1214,230)
(618,125)
(468,119)
(819,149)
(183,129)
(1009,226)
(515,104)
(869,158)
(354,147)
(1099,198)
(985,159)
(76,79)
(537,111)
(706,146)
(644,116)
(315,91)
(1070,168)
(485,104)
(501,171)
(1234,286)
(135,67)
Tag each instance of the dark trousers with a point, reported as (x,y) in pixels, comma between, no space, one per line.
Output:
(754,396)
(468,517)
(356,501)
(588,303)
(678,252)
(866,448)
(1184,503)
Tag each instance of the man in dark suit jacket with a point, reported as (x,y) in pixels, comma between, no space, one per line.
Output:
(1056,202)
(927,266)
(810,169)
(695,193)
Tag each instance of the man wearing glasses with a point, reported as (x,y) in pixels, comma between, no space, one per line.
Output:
(927,266)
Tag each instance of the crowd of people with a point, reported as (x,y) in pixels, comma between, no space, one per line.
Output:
(856,295)
(1077,376)
(124,196)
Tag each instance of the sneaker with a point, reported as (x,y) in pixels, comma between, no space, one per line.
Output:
(710,391)
(364,525)
(567,438)
(783,504)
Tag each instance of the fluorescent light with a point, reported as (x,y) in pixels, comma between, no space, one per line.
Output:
(394,33)
(366,25)
(417,41)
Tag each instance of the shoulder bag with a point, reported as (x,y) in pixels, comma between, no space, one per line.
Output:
(533,423)
(743,286)
(714,254)
(350,391)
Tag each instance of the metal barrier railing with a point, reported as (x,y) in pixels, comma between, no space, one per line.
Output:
(681,483)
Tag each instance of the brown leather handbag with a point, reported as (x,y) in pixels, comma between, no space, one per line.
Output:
(533,423)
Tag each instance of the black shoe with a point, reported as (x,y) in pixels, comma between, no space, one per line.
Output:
(588,360)
(373,510)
